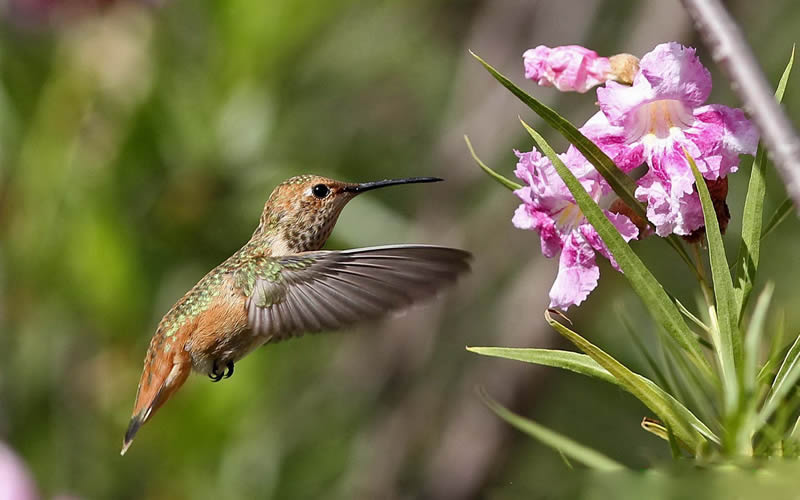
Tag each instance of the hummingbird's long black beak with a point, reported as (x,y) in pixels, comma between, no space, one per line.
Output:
(366,186)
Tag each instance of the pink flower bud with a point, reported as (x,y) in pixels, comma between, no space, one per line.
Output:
(567,68)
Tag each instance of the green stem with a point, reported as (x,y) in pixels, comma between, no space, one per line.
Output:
(700,271)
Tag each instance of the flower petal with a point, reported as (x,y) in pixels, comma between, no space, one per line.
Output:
(612,140)
(667,161)
(618,102)
(670,72)
(525,217)
(669,210)
(673,71)
(627,229)
(577,273)
(722,134)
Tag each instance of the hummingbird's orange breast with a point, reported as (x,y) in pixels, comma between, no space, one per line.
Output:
(192,341)
(220,332)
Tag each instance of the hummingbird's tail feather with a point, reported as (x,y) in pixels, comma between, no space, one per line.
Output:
(163,375)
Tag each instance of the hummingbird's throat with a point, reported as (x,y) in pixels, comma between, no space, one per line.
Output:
(304,236)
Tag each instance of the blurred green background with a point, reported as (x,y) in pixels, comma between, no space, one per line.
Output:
(138,143)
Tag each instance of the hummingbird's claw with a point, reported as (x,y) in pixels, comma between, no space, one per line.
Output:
(216,374)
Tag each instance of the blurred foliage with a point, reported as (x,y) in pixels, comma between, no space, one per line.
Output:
(137,146)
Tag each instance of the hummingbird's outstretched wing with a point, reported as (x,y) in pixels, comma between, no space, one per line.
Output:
(326,290)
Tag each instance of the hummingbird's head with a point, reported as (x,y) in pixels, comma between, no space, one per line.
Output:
(301,211)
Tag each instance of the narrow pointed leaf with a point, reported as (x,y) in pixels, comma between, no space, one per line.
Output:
(749,250)
(766,372)
(494,175)
(698,389)
(755,334)
(567,360)
(586,365)
(686,426)
(660,376)
(622,185)
(787,377)
(641,279)
(729,349)
(576,451)
(794,434)
(694,319)
(752,344)
(777,352)
(779,216)
(655,427)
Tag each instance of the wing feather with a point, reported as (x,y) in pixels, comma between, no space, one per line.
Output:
(326,290)
(305,308)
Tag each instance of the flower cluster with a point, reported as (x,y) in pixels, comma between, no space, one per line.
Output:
(549,208)
(653,121)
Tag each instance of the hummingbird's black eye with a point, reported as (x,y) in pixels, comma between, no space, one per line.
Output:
(320,191)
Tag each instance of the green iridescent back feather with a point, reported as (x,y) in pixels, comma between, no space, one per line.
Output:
(250,262)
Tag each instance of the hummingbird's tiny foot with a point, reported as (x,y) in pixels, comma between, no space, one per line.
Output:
(216,374)
(229,371)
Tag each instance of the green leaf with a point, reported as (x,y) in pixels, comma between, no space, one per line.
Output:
(699,390)
(661,376)
(576,451)
(752,348)
(494,175)
(686,426)
(641,279)
(779,216)
(655,427)
(622,185)
(694,319)
(749,250)
(586,365)
(729,341)
(755,334)
(777,351)
(787,377)
(794,434)
(567,360)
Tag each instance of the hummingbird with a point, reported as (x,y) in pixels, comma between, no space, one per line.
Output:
(280,285)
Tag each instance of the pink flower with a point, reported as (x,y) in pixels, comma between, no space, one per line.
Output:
(549,209)
(15,480)
(656,119)
(567,68)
